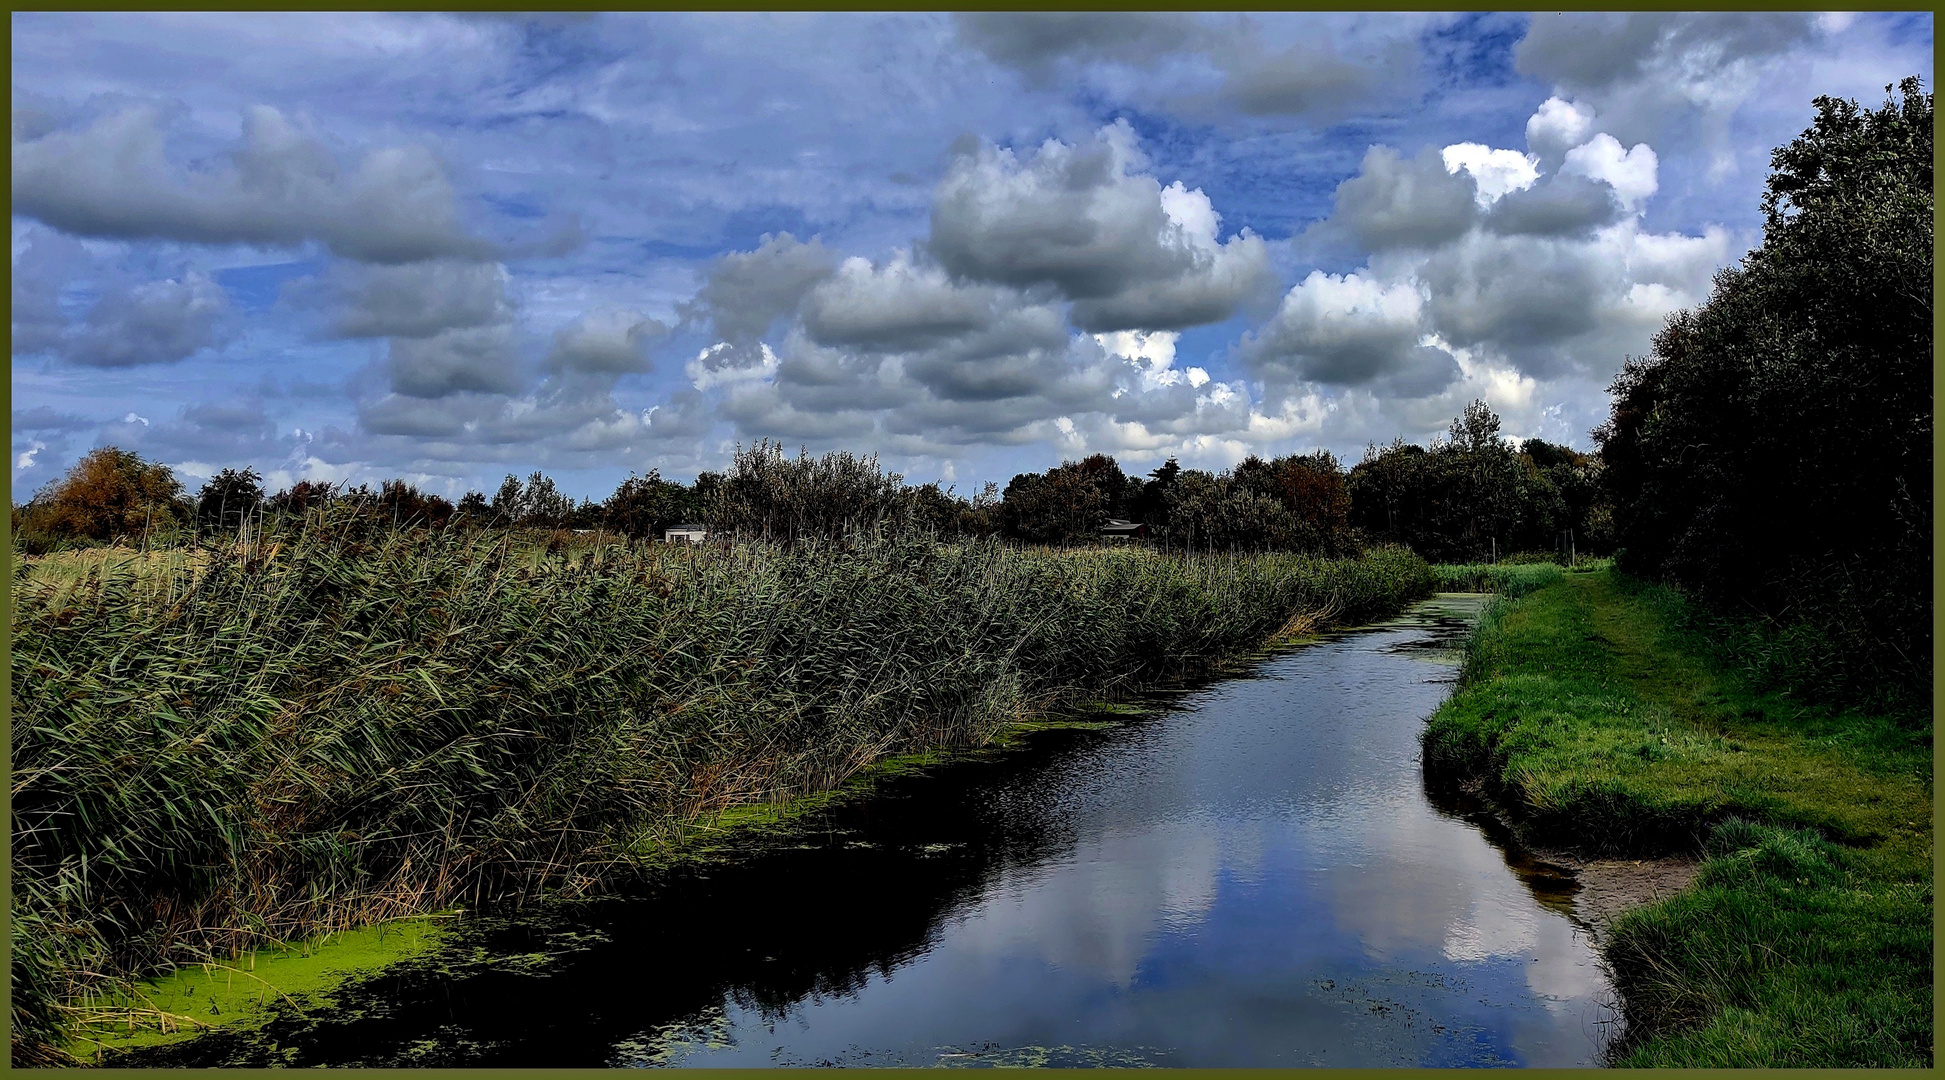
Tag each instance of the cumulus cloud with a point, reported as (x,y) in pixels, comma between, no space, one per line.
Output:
(899,356)
(1563,204)
(1631,172)
(724,363)
(1494,173)
(155,322)
(475,360)
(1351,330)
(606,342)
(410,300)
(1081,221)
(1509,267)
(745,292)
(1212,66)
(907,303)
(1557,127)
(1395,203)
(114,178)
(43,420)
(1036,42)
(1648,75)
(1596,51)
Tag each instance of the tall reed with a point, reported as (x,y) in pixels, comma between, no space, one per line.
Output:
(325,728)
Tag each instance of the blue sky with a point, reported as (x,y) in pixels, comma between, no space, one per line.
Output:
(448,248)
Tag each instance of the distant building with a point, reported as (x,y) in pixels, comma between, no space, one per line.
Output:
(1117,529)
(688,534)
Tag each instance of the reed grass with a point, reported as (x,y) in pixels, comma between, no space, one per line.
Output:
(245,744)
(1509,580)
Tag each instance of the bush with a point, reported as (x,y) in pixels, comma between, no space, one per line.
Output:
(111,494)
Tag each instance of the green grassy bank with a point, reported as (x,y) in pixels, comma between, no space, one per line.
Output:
(333,728)
(1599,717)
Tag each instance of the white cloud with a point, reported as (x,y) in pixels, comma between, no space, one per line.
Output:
(1631,173)
(26,459)
(1494,172)
(723,364)
(1558,126)
(1087,222)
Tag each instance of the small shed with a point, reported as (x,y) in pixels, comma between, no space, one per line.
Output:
(1117,529)
(687,534)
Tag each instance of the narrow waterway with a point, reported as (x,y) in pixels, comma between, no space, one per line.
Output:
(1251,874)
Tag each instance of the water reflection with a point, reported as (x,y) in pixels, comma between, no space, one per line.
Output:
(1254,877)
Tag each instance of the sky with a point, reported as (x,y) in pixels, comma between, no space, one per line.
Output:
(448,248)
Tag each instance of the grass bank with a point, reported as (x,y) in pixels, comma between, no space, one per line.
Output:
(1597,715)
(332,728)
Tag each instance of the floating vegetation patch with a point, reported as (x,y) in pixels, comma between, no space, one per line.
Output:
(247,991)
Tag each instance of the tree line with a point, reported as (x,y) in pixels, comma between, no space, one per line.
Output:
(1772,455)
(1466,496)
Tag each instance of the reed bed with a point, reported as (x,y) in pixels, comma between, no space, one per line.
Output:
(1509,580)
(322,729)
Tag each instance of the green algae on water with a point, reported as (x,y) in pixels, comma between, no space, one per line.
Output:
(246,992)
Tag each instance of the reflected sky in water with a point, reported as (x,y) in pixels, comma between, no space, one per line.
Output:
(1255,878)
(1253,875)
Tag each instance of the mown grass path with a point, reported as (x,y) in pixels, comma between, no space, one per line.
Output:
(1600,720)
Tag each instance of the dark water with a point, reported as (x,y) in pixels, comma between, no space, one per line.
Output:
(1254,875)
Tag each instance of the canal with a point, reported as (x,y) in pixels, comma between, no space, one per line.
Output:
(1248,873)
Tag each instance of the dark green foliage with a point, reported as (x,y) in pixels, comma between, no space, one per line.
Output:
(1150,505)
(406,506)
(1293,503)
(647,506)
(302,496)
(534,504)
(229,499)
(839,496)
(1773,455)
(1472,494)
(1069,502)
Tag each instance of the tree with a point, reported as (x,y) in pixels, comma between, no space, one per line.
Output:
(1151,504)
(1062,505)
(536,503)
(473,508)
(766,495)
(1772,453)
(228,499)
(108,494)
(401,504)
(647,506)
(302,496)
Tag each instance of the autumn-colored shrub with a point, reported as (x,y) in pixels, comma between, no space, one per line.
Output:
(110,494)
